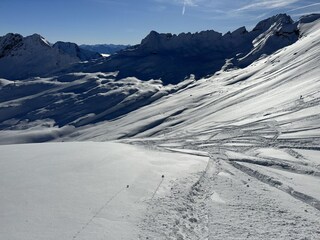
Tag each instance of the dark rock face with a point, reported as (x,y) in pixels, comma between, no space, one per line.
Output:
(9,42)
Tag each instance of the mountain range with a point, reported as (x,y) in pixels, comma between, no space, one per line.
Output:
(172,58)
(168,57)
(104,48)
(189,136)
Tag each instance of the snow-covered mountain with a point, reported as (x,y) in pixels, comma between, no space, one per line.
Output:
(174,57)
(81,98)
(104,48)
(234,155)
(31,56)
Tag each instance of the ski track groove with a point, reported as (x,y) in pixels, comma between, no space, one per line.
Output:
(188,212)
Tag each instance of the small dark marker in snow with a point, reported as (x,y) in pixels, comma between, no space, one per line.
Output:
(248,185)
(127,186)
(162,176)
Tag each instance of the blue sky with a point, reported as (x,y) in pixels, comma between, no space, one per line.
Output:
(128,21)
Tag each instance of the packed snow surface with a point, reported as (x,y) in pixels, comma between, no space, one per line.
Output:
(84,190)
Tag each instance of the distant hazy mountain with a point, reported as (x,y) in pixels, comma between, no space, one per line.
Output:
(104,48)
(22,57)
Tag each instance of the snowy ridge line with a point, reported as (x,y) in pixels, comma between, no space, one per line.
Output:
(154,193)
(270,163)
(186,151)
(182,214)
(203,175)
(275,183)
(75,236)
(299,147)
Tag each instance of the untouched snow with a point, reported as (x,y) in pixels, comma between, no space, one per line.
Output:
(79,190)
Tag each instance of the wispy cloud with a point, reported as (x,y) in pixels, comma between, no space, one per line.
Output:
(186,3)
(304,7)
(266,4)
(302,14)
(232,6)
(184,8)
(242,9)
(183,3)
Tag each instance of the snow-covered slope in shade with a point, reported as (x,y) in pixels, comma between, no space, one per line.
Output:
(282,82)
(74,50)
(42,109)
(22,57)
(174,57)
(84,190)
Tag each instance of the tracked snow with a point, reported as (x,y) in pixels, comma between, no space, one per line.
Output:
(259,127)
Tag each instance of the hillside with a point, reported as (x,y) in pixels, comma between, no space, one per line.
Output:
(239,149)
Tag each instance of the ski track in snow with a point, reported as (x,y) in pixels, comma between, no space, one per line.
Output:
(250,203)
(260,128)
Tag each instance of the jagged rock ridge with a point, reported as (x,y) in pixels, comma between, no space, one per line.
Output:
(173,57)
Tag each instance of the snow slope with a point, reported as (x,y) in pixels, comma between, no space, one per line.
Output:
(54,106)
(79,190)
(260,127)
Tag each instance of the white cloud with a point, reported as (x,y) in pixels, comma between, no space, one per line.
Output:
(243,8)
(266,4)
(304,7)
(186,3)
(302,14)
